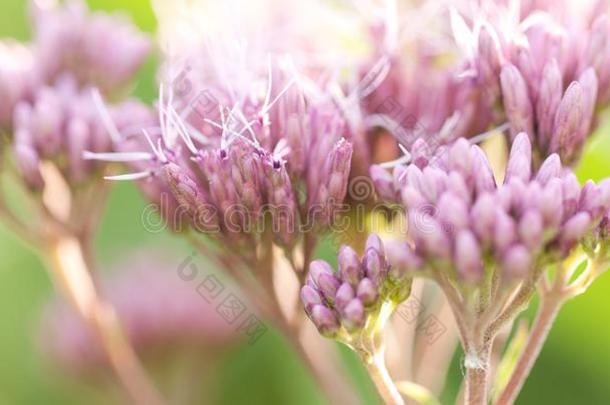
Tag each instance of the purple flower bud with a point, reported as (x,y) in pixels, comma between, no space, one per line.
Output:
(452,212)
(434,183)
(526,66)
(384,183)
(591,200)
(460,158)
(367,292)
(28,164)
(483,215)
(327,187)
(429,234)
(574,229)
(520,160)
(551,88)
(316,269)
(567,138)
(468,257)
(571,194)
(597,54)
(505,231)
(374,264)
(187,192)
(516,262)
(484,176)
(590,85)
(374,242)
(457,185)
(490,60)
(353,315)
(412,198)
(344,295)
(551,168)
(349,265)
(402,259)
(310,298)
(531,230)
(517,102)
(325,320)
(281,203)
(341,158)
(551,203)
(328,285)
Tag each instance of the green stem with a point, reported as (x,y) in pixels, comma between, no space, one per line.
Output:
(382,380)
(549,308)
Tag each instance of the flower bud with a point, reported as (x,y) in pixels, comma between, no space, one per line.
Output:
(316,269)
(325,320)
(373,264)
(367,291)
(517,103)
(483,215)
(328,285)
(516,262)
(384,183)
(374,242)
(567,138)
(401,259)
(452,212)
(344,295)
(349,265)
(468,257)
(551,203)
(484,176)
(310,298)
(28,164)
(574,229)
(520,160)
(531,230)
(353,315)
(550,168)
(505,231)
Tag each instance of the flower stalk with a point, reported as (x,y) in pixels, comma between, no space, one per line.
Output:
(382,380)
(70,271)
(552,298)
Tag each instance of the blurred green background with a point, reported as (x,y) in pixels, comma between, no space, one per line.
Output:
(574,366)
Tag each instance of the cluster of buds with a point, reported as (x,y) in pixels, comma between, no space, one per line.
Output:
(53,109)
(460,218)
(549,83)
(99,49)
(561,121)
(353,304)
(60,124)
(239,163)
(400,102)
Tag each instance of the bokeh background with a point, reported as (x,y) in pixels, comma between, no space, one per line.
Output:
(574,367)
